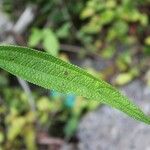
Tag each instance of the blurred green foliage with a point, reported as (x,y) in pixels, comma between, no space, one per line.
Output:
(97,25)
(49,40)
(110,29)
(121,22)
(56,114)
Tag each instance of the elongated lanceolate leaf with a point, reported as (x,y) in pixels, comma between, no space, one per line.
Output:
(52,73)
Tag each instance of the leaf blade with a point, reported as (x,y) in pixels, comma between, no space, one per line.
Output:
(50,72)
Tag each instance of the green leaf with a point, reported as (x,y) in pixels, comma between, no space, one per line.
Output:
(63,31)
(50,42)
(47,37)
(71,126)
(87,12)
(123,78)
(35,37)
(107,16)
(52,73)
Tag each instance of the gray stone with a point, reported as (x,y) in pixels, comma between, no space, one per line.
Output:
(69,146)
(110,129)
(5,25)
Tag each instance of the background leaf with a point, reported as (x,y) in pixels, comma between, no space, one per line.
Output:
(50,42)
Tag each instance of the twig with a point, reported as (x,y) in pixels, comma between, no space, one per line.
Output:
(71,48)
(23,22)
(27,90)
(78,49)
(50,141)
